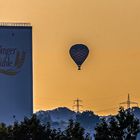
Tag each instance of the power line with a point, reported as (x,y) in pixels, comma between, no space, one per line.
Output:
(107,109)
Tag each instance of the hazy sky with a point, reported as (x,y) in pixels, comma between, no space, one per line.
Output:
(111,30)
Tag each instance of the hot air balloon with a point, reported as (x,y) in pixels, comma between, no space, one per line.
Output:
(79,53)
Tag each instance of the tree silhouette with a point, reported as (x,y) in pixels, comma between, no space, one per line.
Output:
(32,129)
(75,132)
(29,129)
(123,126)
(3,132)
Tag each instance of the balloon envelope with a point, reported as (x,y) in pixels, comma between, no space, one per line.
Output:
(79,53)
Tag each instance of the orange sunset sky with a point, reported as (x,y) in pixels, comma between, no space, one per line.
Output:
(111,30)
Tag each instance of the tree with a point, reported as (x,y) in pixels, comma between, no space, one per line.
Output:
(75,132)
(29,129)
(123,126)
(32,129)
(3,132)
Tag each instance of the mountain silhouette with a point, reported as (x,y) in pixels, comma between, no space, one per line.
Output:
(59,117)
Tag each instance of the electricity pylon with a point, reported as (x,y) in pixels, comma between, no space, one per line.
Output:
(77,105)
(129,102)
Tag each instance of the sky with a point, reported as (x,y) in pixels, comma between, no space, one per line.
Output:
(110,29)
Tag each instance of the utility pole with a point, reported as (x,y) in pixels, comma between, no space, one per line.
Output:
(129,102)
(77,105)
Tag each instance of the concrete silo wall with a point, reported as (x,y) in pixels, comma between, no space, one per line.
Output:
(15,73)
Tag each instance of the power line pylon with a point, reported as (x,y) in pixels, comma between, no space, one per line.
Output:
(129,102)
(77,105)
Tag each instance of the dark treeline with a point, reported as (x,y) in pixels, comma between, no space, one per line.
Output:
(32,129)
(123,126)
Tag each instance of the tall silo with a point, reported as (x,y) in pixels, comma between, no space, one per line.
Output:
(16,82)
